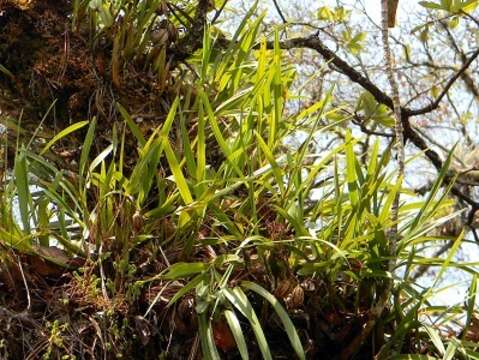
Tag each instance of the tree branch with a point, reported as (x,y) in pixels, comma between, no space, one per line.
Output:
(280,13)
(218,12)
(451,81)
(314,43)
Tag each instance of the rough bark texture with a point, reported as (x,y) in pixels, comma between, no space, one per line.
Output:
(50,62)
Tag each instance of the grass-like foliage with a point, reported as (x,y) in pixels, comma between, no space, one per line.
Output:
(220,236)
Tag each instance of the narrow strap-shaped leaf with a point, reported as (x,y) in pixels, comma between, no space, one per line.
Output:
(131,124)
(239,300)
(210,352)
(270,157)
(237,332)
(177,173)
(23,191)
(183,269)
(62,134)
(283,315)
(86,147)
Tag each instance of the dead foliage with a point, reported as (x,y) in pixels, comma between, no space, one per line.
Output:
(51,62)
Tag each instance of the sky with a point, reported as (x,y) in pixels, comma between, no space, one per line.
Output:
(373,7)
(454,282)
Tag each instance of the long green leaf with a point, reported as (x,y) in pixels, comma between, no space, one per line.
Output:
(23,190)
(182,269)
(85,152)
(237,332)
(177,173)
(239,300)
(210,352)
(131,124)
(62,134)
(283,315)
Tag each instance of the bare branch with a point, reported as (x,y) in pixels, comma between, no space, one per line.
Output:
(280,12)
(219,11)
(451,82)
(314,43)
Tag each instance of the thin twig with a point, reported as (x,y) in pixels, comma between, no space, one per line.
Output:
(27,290)
(434,105)
(172,8)
(313,42)
(102,274)
(280,13)
(218,12)
(475,20)
(181,11)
